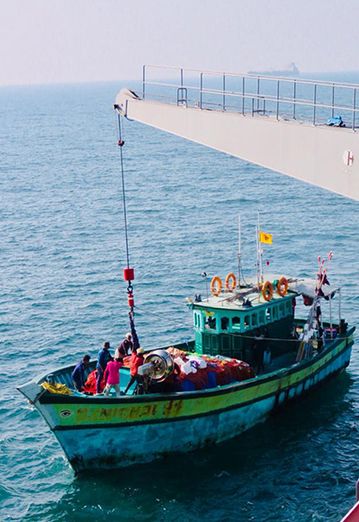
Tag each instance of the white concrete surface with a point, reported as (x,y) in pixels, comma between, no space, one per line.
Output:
(323,156)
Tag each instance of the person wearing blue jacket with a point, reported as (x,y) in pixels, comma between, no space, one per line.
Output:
(78,374)
(104,357)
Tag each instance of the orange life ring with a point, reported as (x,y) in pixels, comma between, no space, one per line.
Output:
(267,291)
(282,286)
(216,285)
(231,281)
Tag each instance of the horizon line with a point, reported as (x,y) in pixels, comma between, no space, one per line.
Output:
(91,82)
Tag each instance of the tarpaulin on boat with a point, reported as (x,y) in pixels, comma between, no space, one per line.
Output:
(308,287)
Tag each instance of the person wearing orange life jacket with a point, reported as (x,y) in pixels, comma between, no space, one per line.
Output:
(137,360)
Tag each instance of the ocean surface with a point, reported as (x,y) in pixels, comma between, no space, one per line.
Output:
(62,254)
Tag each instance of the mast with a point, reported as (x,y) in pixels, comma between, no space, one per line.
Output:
(239,251)
(259,255)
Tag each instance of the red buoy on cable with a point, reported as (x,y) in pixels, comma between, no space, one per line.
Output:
(129,274)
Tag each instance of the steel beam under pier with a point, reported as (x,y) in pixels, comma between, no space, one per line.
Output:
(323,156)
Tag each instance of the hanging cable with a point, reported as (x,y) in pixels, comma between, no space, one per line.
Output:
(121,144)
(128,272)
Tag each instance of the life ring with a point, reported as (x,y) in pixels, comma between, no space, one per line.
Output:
(282,286)
(216,285)
(267,291)
(231,281)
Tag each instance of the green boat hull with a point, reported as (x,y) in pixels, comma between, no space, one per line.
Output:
(98,432)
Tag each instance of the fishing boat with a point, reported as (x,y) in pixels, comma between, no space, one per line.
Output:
(100,432)
(250,355)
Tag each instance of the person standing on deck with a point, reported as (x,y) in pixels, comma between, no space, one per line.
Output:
(104,357)
(126,347)
(137,360)
(78,374)
(112,376)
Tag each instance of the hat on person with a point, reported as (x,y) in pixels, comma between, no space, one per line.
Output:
(140,350)
(128,335)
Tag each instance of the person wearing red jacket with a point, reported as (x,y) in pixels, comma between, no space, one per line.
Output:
(137,360)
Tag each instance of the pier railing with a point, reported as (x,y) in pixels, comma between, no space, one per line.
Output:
(297,99)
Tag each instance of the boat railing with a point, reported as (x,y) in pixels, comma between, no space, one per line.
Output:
(297,99)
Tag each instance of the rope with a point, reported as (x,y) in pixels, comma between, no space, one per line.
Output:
(253,337)
(121,144)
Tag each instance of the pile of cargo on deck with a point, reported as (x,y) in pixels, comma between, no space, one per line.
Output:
(192,372)
(198,372)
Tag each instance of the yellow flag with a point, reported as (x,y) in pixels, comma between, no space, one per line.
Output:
(265,238)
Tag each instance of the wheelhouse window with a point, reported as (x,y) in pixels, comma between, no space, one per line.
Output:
(254,320)
(236,323)
(224,323)
(246,322)
(211,323)
(261,317)
(275,312)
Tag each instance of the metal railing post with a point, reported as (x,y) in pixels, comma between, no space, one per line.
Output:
(143,82)
(294,98)
(322,103)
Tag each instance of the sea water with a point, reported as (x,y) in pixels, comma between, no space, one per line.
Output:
(62,254)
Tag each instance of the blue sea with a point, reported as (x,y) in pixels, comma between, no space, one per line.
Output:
(62,254)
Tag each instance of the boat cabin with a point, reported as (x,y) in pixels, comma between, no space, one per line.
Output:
(227,323)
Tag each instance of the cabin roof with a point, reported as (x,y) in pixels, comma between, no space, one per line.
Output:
(239,300)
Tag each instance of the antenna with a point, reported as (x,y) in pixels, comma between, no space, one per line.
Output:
(239,251)
(260,253)
(259,268)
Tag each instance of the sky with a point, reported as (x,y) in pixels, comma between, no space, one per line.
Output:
(61,41)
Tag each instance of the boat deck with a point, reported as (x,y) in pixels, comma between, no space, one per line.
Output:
(63,376)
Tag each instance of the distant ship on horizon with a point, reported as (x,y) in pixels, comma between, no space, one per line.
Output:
(292,70)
